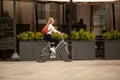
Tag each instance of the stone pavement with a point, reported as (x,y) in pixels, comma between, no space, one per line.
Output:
(60,70)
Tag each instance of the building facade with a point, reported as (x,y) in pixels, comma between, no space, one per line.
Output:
(98,16)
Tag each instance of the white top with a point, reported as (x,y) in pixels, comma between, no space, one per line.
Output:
(51,29)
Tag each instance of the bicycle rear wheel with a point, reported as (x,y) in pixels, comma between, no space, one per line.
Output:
(40,55)
(67,52)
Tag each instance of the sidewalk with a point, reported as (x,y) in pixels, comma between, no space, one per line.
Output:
(60,70)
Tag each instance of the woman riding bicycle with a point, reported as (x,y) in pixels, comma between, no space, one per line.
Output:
(48,36)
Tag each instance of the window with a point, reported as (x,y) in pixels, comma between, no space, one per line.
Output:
(99,16)
(45,11)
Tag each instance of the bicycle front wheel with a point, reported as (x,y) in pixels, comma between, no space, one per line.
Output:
(40,55)
(68,52)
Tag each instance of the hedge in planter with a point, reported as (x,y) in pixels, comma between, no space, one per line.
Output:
(85,44)
(30,36)
(112,44)
(27,42)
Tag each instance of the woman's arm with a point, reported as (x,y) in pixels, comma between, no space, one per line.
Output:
(60,33)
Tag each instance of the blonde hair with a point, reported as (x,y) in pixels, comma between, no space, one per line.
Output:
(50,20)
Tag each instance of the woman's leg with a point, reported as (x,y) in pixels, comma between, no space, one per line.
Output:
(50,39)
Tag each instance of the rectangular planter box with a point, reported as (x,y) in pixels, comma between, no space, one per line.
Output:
(85,49)
(26,49)
(112,49)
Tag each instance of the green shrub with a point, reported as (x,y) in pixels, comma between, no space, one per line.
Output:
(82,35)
(38,36)
(55,35)
(111,35)
(74,35)
(30,36)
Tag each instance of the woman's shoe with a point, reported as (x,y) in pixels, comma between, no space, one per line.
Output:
(53,50)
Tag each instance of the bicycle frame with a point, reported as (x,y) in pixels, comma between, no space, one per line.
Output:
(47,46)
(62,42)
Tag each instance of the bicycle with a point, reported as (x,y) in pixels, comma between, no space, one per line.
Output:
(64,49)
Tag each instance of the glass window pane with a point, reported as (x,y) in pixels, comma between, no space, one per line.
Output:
(42,11)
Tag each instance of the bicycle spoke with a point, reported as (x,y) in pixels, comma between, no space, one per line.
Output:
(68,52)
(39,55)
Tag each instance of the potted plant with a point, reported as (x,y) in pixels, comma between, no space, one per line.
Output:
(27,42)
(84,42)
(112,44)
(65,36)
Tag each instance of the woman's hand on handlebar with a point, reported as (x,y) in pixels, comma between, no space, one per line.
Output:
(62,34)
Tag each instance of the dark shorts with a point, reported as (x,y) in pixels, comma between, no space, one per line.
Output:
(49,38)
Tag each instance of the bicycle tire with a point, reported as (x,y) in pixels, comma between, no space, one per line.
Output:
(64,55)
(40,56)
